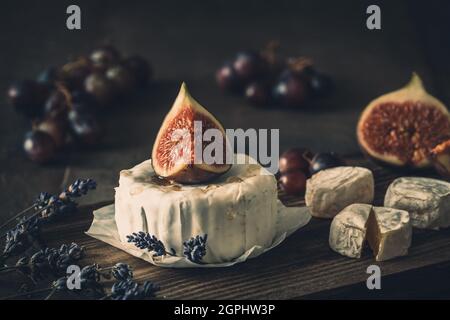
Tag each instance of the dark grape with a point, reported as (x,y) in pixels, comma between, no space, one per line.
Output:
(85,127)
(27,97)
(227,78)
(304,73)
(83,102)
(122,78)
(295,159)
(104,57)
(100,87)
(248,65)
(140,69)
(258,93)
(57,105)
(323,161)
(75,72)
(321,85)
(293,183)
(291,91)
(56,128)
(39,146)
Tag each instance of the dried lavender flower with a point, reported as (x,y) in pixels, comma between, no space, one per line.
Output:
(130,290)
(122,271)
(144,240)
(149,289)
(21,237)
(78,188)
(49,261)
(60,284)
(47,206)
(43,199)
(195,248)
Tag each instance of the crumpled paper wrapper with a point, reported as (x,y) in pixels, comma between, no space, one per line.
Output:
(104,228)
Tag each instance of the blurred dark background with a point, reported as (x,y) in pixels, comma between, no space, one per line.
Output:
(188,41)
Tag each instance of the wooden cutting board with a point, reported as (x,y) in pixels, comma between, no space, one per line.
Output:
(302,266)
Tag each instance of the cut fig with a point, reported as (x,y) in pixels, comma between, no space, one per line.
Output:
(400,128)
(174,151)
(440,156)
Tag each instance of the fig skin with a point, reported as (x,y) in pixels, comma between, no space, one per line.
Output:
(186,172)
(412,94)
(440,156)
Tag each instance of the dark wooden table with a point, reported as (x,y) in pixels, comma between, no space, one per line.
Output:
(187,42)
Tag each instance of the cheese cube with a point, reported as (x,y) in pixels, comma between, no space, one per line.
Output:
(427,200)
(331,190)
(348,230)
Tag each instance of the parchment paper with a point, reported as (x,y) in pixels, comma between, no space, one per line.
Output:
(104,228)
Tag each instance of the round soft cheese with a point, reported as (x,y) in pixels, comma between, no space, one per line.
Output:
(238,210)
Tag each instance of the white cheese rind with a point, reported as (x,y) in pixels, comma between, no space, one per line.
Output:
(389,231)
(348,230)
(395,233)
(237,211)
(427,201)
(331,190)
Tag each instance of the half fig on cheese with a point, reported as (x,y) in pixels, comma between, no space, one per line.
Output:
(178,144)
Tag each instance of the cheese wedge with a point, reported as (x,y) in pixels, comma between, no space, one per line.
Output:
(389,233)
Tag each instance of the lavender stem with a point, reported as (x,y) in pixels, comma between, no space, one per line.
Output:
(17,216)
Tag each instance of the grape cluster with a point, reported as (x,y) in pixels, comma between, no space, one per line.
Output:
(265,79)
(64,103)
(296,165)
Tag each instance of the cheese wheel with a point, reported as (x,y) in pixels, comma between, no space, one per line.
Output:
(237,211)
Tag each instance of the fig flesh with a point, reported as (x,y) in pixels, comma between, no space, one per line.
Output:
(400,128)
(174,151)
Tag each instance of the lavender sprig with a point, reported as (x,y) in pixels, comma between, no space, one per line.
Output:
(144,240)
(122,271)
(89,278)
(21,237)
(195,248)
(78,188)
(48,261)
(47,207)
(90,282)
(131,290)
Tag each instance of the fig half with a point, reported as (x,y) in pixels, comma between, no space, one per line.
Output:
(400,128)
(174,151)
